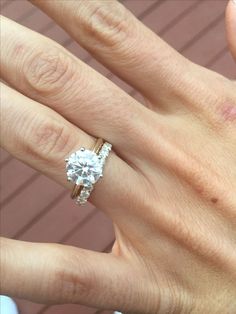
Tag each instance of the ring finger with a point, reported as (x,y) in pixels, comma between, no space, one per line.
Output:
(42,138)
(49,74)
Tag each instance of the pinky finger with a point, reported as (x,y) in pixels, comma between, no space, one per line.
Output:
(55,273)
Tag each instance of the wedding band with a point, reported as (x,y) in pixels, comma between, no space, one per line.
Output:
(85,167)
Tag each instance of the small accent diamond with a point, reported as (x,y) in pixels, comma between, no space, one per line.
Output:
(84,195)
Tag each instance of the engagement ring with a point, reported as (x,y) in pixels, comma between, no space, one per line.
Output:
(85,167)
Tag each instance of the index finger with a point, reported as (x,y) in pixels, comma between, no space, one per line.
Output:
(122,43)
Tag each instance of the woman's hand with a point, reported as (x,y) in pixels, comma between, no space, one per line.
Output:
(170,189)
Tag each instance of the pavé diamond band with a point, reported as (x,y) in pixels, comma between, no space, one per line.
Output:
(85,167)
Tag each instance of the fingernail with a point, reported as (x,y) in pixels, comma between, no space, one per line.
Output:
(234,2)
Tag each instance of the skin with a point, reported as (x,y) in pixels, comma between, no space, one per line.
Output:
(174,214)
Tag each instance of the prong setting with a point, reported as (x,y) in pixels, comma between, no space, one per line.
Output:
(84,168)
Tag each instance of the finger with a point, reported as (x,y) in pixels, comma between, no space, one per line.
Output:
(122,43)
(231,26)
(54,273)
(46,72)
(42,138)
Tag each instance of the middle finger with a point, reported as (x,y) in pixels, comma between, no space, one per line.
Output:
(46,72)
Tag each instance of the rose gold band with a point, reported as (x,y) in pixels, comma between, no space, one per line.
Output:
(98,145)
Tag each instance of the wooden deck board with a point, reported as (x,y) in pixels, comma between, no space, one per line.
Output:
(25,206)
(140,7)
(16,10)
(196,29)
(13,175)
(225,65)
(200,51)
(4,156)
(167,11)
(194,22)
(62,214)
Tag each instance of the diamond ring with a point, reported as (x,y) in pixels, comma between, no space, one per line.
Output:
(85,167)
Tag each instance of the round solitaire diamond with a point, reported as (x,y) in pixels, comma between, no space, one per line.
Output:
(84,167)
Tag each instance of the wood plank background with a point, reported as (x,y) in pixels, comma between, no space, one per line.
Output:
(196,29)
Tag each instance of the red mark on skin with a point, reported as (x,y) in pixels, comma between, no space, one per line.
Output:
(228,112)
(214,200)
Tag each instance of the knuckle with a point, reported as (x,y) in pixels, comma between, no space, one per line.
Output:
(49,140)
(48,72)
(106,23)
(71,278)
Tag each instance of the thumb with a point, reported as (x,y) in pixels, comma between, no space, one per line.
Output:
(231,26)
(54,273)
